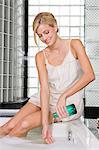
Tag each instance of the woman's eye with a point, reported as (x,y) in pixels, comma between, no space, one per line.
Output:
(40,36)
(46,32)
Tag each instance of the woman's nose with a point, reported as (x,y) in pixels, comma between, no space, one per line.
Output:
(44,37)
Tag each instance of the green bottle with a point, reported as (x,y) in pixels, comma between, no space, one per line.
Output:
(71,110)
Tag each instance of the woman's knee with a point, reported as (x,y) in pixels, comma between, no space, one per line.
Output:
(24,124)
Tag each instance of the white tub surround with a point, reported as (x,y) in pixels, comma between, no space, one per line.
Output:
(72,135)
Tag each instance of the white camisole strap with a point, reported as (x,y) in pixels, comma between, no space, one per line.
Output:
(69,45)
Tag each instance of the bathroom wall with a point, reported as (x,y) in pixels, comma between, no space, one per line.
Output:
(11,50)
(92,47)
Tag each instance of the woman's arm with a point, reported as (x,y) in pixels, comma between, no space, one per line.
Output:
(44,97)
(88,73)
(44,89)
(87,76)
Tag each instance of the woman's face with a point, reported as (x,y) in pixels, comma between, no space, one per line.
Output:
(47,34)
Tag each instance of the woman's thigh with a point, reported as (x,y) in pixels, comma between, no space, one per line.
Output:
(35,119)
(25,111)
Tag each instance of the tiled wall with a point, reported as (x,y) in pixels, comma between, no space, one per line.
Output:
(11,49)
(92,46)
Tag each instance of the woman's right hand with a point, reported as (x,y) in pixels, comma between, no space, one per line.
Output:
(47,134)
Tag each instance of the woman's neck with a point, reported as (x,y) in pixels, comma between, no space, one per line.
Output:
(57,45)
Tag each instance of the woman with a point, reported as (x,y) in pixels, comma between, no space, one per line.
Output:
(64,70)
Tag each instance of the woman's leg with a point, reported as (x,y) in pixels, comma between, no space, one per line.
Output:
(27,109)
(27,123)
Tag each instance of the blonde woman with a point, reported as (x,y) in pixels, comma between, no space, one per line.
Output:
(64,70)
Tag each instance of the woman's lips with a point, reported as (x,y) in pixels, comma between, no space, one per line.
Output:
(47,41)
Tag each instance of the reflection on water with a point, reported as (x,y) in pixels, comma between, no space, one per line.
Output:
(35,136)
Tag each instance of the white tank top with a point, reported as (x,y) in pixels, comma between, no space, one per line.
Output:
(63,76)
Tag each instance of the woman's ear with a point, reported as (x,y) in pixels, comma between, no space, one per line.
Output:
(56,28)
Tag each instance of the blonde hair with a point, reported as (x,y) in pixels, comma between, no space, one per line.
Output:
(43,18)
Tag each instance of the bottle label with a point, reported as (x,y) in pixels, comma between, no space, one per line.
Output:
(71,110)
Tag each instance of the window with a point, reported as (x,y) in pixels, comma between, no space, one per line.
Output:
(11,50)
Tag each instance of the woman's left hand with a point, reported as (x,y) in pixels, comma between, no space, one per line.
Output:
(61,107)
(47,134)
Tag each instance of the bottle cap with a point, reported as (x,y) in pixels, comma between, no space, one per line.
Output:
(55,115)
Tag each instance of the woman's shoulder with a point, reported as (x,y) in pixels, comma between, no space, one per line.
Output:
(75,42)
(40,55)
(76,47)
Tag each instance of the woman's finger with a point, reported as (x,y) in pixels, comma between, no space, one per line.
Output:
(63,110)
(49,140)
(58,109)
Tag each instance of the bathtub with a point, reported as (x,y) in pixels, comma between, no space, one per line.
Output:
(72,135)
